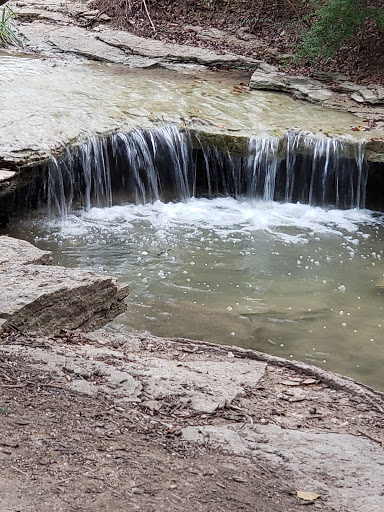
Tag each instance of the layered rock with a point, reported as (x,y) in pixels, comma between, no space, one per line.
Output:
(330,89)
(43,298)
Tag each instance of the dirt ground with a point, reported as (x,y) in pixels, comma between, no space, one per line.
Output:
(278,24)
(62,450)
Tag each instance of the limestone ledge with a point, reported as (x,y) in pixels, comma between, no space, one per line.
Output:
(25,171)
(39,297)
(52,29)
(329,89)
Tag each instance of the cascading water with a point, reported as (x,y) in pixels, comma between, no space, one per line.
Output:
(161,164)
(271,249)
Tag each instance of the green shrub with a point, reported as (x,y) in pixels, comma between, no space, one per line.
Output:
(337,22)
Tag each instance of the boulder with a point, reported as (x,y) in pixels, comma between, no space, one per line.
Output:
(43,298)
(21,252)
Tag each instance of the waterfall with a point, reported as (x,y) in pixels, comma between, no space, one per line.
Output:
(163,164)
(324,171)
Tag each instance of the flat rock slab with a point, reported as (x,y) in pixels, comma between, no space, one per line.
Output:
(167,52)
(269,78)
(206,385)
(346,470)
(118,383)
(121,47)
(20,252)
(161,388)
(316,90)
(36,297)
(44,298)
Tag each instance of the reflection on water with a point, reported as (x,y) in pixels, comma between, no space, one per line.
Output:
(288,279)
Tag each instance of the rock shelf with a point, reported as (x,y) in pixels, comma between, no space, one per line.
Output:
(181,425)
(78,67)
(37,296)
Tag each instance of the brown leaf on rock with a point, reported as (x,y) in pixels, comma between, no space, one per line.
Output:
(307,496)
(290,383)
(309,381)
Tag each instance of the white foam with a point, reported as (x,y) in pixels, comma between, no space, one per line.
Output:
(291,223)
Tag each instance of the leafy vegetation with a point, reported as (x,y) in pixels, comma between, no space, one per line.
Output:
(337,22)
(7,31)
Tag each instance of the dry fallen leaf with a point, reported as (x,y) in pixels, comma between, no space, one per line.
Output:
(290,383)
(307,496)
(309,381)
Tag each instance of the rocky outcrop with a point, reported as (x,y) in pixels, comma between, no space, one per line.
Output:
(242,39)
(329,89)
(20,252)
(43,298)
(120,47)
(173,53)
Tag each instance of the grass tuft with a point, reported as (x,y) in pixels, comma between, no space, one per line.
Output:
(8,35)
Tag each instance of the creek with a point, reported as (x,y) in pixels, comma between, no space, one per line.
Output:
(272,250)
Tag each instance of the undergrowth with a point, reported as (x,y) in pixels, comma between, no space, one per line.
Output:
(339,22)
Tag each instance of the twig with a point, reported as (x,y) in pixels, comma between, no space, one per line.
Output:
(5,375)
(375,439)
(14,385)
(65,479)
(56,386)
(19,470)
(149,16)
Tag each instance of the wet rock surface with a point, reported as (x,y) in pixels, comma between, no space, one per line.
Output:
(64,40)
(40,297)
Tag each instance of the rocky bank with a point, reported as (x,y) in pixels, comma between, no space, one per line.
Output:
(104,421)
(37,296)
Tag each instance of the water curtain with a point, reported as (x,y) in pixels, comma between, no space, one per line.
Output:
(165,164)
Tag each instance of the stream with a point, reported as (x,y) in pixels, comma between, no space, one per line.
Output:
(302,281)
(289,279)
